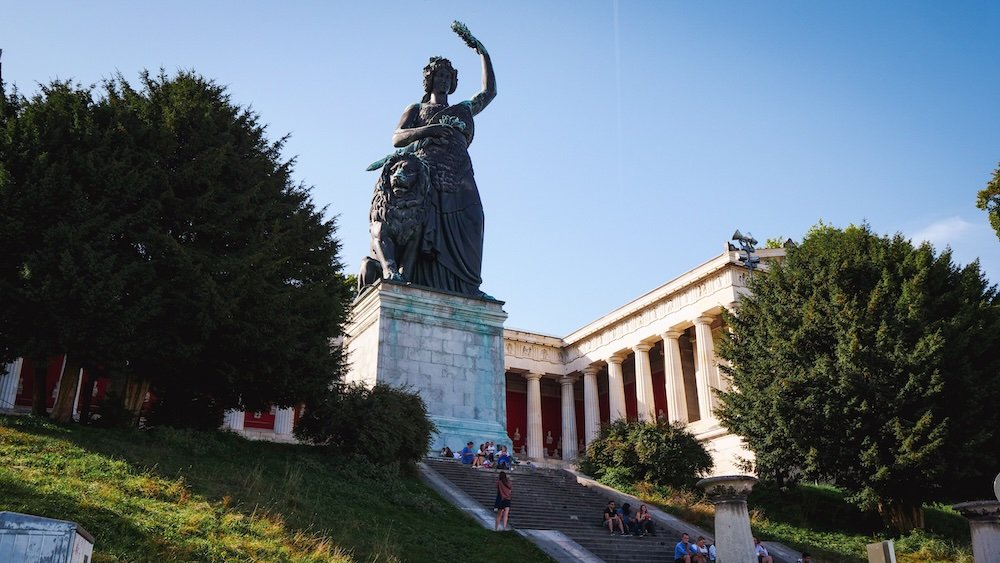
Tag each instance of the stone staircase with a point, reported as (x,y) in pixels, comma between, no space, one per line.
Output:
(551,499)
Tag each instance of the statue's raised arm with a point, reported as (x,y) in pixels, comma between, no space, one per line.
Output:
(489,91)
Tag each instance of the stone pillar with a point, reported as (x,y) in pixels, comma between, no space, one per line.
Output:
(76,396)
(591,408)
(616,388)
(706,366)
(283,420)
(984,524)
(534,430)
(568,418)
(733,538)
(234,420)
(8,384)
(646,406)
(674,377)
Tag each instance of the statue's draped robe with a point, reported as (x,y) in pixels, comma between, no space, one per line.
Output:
(452,255)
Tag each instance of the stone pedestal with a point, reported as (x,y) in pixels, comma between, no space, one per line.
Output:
(733,538)
(984,523)
(444,346)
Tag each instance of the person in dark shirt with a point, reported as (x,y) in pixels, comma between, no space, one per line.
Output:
(612,518)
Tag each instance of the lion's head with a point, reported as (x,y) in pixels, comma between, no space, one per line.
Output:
(401,193)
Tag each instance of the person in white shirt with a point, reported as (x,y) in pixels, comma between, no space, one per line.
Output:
(706,553)
(761,552)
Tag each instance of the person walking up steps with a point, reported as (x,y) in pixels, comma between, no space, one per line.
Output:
(502,503)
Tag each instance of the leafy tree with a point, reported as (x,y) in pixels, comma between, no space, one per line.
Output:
(657,453)
(59,274)
(157,233)
(989,200)
(863,360)
(248,274)
(367,422)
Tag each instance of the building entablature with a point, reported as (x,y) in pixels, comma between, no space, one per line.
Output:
(529,352)
(675,306)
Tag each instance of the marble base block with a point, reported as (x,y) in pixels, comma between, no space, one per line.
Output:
(444,346)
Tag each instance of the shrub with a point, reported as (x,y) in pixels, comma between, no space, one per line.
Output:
(388,426)
(658,453)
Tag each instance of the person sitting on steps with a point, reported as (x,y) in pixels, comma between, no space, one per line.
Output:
(480,456)
(503,459)
(682,551)
(468,454)
(628,518)
(761,552)
(612,519)
(644,521)
(703,553)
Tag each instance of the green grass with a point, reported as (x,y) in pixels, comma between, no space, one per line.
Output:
(173,495)
(817,519)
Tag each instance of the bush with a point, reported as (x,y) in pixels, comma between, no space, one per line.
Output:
(388,426)
(658,453)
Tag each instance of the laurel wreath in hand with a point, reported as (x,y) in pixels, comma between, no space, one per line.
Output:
(466,35)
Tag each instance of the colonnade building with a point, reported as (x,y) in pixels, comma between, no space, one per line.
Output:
(652,358)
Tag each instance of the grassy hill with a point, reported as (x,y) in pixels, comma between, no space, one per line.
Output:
(172,495)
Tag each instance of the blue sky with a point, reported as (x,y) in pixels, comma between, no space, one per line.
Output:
(628,140)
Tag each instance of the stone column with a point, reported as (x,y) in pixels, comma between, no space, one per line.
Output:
(733,538)
(76,396)
(984,524)
(234,420)
(283,420)
(706,366)
(568,418)
(674,377)
(8,384)
(591,408)
(646,406)
(534,430)
(616,388)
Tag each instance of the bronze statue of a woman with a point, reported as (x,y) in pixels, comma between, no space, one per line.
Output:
(438,134)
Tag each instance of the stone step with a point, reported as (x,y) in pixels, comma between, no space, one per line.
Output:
(548,499)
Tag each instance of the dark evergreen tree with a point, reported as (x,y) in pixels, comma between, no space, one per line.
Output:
(868,362)
(54,273)
(157,233)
